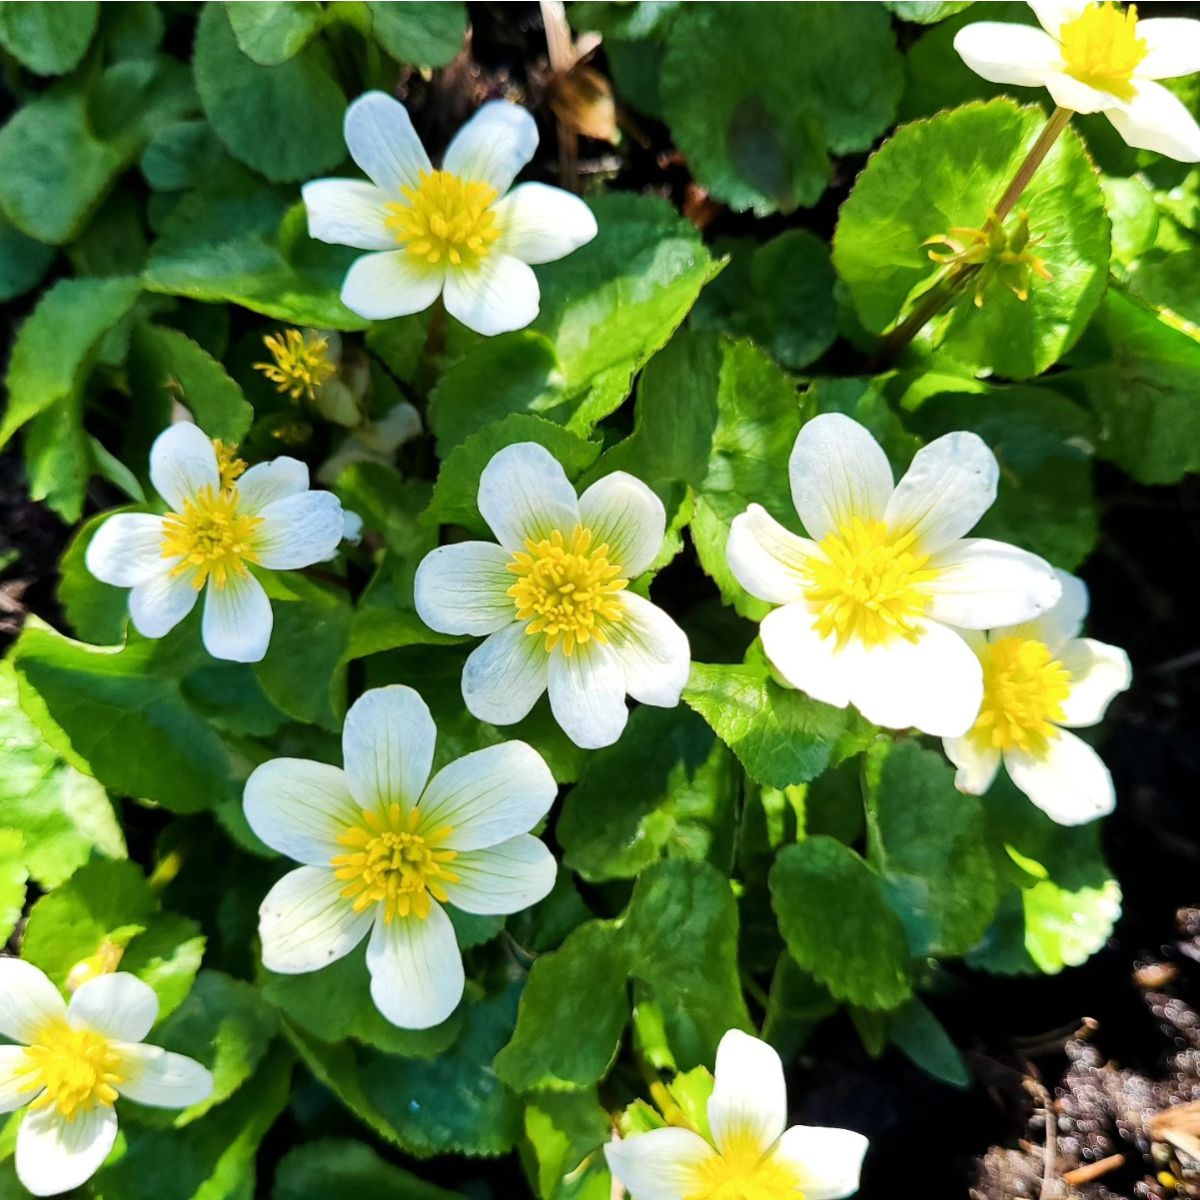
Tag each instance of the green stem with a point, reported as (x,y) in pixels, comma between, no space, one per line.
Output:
(1020,181)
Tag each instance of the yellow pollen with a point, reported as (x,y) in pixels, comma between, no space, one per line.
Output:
(1024,687)
(566,589)
(1101,48)
(447,220)
(301,362)
(210,538)
(391,863)
(74,1069)
(228,463)
(872,587)
(744,1172)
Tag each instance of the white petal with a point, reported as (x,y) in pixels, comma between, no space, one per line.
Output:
(977,766)
(653,650)
(14,1083)
(28,1000)
(126,550)
(662,1164)
(266,482)
(524,494)
(493,145)
(1052,15)
(982,584)
(948,486)
(299,531)
(488,796)
(540,224)
(505,676)
(463,588)
(767,559)
(55,1155)
(838,471)
(119,1006)
(348,212)
(300,808)
(387,746)
(1173,47)
(159,604)
(1069,92)
(1005,53)
(1098,673)
(499,295)
(162,1079)
(390,283)
(808,661)
(237,620)
(587,694)
(828,1161)
(504,878)
(1157,120)
(1061,623)
(1068,781)
(305,922)
(182,461)
(625,513)
(416,969)
(748,1105)
(381,139)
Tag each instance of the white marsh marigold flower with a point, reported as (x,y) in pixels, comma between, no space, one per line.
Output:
(223,519)
(552,599)
(71,1064)
(872,604)
(1098,58)
(1041,679)
(384,847)
(459,232)
(750,1153)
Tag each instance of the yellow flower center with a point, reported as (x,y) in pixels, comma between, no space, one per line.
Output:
(1101,48)
(447,220)
(1024,687)
(744,1172)
(390,863)
(76,1068)
(300,362)
(566,589)
(210,538)
(230,466)
(872,585)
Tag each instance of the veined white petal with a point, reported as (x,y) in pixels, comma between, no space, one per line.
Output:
(159,604)
(462,588)
(981,584)
(298,531)
(497,296)
(838,471)
(28,1000)
(505,676)
(161,1078)
(1098,673)
(977,765)
(14,1083)
(1059,624)
(390,283)
(1052,15)
(119,1006)
(381,139)
(55,1155)
(1007,53)
(182,461)
(622,511)
(808,661)
(387,746)
(266,482)
(662,1164)
(488,796)
(748,1105)
(1156,119)
(1069,92)
(1173,47)
(126,549)
(654,652)
(416,969)
(524,494)
(493,145)
(767,559)
(1068,781)
(540,224)
(305,922)
(300,808)
(502,879)
(348,212)
(828,1161)
(587,694)
(237,619)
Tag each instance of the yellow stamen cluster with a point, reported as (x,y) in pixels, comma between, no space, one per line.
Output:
(230,466)
(447,220)
(993,252)
(1101,48)
(76,1068)
(390,863)
(566,589)
(1024,689)
(210,538)
(872,585)
(743,1172)
(301,362)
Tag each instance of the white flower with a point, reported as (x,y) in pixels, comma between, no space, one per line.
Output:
(751,1154)
(71,1064)
(871,605)
(220,521)
(552,599)
(459,231)
(382,844)
(1040,680)
(1098,58)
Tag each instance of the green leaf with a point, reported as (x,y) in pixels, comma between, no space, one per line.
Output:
(49,39)
(181,155)
(97,612)
(23,262)
(423,34)
(561,1131)
(343,1170)
(272,31)
(13,877)
(926,12)
(919,1034)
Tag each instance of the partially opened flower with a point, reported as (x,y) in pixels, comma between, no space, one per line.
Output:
(1040,681)
(752,1155)
(459,232)
(384,847)
(552,599)
(1098,58)
(223,520)
(71,1064)
(871,606)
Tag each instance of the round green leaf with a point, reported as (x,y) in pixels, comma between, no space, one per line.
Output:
(272,31)
(49,39)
